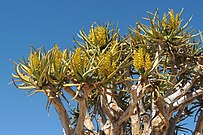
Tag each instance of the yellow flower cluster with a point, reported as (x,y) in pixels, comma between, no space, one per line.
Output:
(174,21)
(141,60)
(34,61)
(107,64)
(172,18)
(57,59)
(77,58)
(148,62)
(80,59)
(97,36)
(58,56)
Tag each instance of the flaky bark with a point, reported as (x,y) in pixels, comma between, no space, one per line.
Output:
(135,124)
(88,122)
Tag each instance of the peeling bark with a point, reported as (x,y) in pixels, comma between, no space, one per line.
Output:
(135,124)
(88,123)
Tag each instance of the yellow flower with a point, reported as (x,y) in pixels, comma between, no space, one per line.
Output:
(34,61)
(58,55)
(148,62)
(172,17)
(142,60)
(77,58)
(174,21)
(57,59)
(97,36)
(80,59)
(177,22)
(177,17)
(139,59)
(107,65)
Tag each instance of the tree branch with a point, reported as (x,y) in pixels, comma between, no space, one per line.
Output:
(72,93)
(106,110)
(81,119)
(199,125)
(135,98)
(135,124)
(83,109)
(116,110)
(175,119)
(63,115)
(88,122)
(87,90)
(188,97)
(180,92)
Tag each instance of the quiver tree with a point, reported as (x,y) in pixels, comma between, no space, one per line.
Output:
(146,83)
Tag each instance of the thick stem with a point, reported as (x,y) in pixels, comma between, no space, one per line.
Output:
(106,109)
(199,126)
(135,118)
(180,91)
(146,124)
(88,122)
(83,115)
(63,115)
(186,98)
(136,96)
(135,124)
(72,93)
(116,130)
(81,119)
(101,117)
(176,118)
(173,122)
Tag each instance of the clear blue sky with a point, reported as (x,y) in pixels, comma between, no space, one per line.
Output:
(45,22)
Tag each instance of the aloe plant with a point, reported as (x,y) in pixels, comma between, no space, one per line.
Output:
(147,82)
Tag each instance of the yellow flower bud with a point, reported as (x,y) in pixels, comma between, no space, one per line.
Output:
(80,59)
(107,64)
(177,22)
(172,17)
(139,59)
(97,36)
(34,60)
(148,62)
(58,55)
(77,58)
(57,60)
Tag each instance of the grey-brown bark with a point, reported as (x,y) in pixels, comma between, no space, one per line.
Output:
(63,115)
(199,126)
